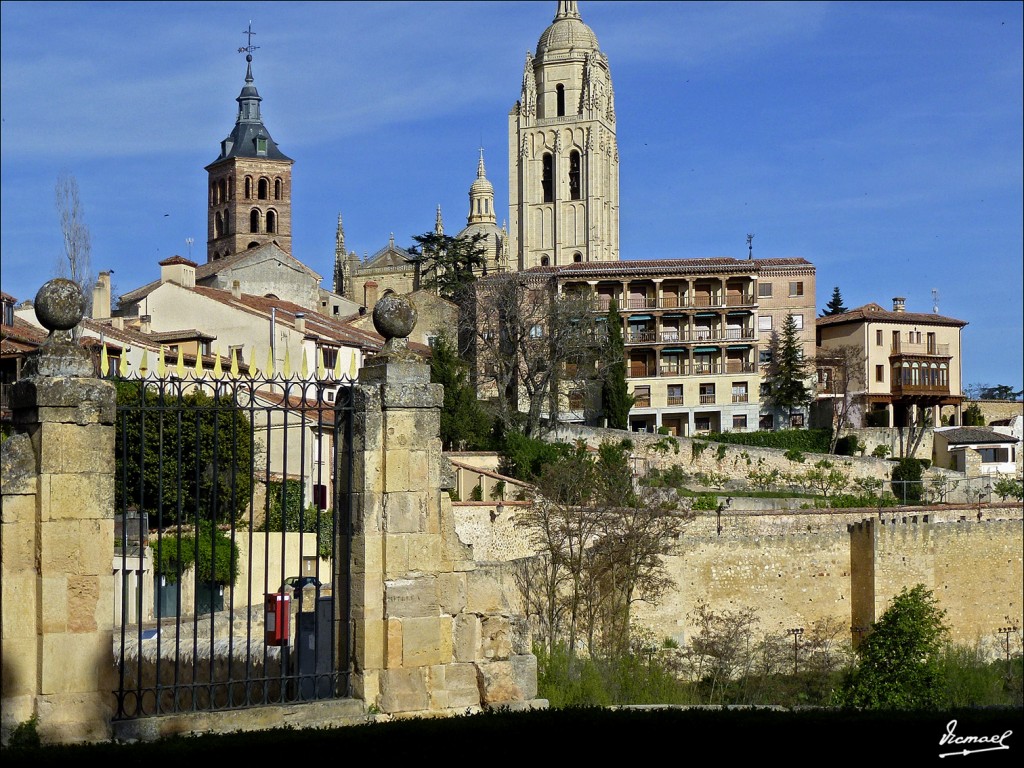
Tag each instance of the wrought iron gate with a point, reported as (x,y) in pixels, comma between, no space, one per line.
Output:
(233,517)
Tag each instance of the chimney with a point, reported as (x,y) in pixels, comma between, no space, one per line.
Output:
(101,297)
(117,322)
(300,322)
(370,294)
(179,270)
(899,304)
(236,289)
(145,323)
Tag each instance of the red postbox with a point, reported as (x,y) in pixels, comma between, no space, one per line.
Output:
(277,619)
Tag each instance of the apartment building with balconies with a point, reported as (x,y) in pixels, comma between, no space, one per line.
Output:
(908,362)
(692,330)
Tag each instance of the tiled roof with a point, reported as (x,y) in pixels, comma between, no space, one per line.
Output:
(211,268)
(874,313)
(316,323)
(709,264)
(965,435)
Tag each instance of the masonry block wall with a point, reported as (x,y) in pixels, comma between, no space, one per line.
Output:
(58,529)
(432,632)
(974,568)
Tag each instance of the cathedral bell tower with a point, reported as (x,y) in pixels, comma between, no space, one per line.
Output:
(563,155)
(250,182)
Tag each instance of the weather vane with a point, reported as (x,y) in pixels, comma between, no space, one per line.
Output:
(249,48)
(750,245)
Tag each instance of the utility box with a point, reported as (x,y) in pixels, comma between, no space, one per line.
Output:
(277,618)
(314,649)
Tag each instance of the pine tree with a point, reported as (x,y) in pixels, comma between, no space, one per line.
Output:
(615,398)
(786,377)
(835,304)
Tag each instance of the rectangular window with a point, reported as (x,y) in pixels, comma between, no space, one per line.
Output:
(739,422)
(537,331)
(675,394)
(798,321)
(261,146)
(642,397)
(932,346)
(767,421)
(739,391)
(707,394)
(764,322)
(796,289)
(895,341)
(878,337)
(796,420)
(879,373)
(764,356)
(764,290)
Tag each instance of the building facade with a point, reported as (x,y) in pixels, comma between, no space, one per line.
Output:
(909,365)
(694,335)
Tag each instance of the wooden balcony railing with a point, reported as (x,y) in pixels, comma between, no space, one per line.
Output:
(675,400)
(739,398)
(707,399)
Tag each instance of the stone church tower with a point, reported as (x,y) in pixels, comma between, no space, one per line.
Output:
(250,184)
(563,156)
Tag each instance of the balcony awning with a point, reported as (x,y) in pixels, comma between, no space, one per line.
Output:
(706,349)
(639,317)
(739,312)
(739,346)
(674,350)
(674,314)
(707,314)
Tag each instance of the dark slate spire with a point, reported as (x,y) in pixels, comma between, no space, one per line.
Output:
(250,137)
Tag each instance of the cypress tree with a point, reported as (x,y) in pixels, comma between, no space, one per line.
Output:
(615,398)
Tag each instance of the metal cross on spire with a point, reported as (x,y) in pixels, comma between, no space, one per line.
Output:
(249,48)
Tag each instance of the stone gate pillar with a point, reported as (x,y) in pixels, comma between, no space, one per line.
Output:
(58,536)
(431,631)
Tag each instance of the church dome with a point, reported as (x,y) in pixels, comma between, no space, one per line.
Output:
(567,32)
(481,187)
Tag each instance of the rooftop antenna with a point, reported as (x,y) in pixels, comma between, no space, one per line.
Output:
(935,301)
(750,245)
(188,242)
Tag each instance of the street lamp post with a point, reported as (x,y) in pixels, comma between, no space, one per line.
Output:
(1006,631)
(795,632)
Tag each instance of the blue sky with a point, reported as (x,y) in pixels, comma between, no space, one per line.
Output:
(881,141)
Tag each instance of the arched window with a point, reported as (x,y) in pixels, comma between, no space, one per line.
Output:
(227,221)
(574,175)
(271,222)
(547,180)
(263,191)
(577,257)
(254,221)
(277,189)
(231,188)
(213,194)
(223,190)
(560,99)
(544,261)
(218,225)
(248,187)
(253,244)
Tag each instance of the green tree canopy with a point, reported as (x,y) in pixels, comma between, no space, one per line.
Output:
(464,423)
(899,661)
(181,457)
(787,374)
(615,398)
(448,264)
(835,305)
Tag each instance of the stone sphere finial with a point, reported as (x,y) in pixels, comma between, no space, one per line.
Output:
(394,317)
(60,304)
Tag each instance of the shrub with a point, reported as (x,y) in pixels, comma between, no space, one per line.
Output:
(795,456)
(805,440)
(849,446)
(1008,487)
(881,451)
(878,418)
(973,417)
(705,502)
(906,479)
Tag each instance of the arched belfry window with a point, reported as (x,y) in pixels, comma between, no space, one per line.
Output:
(248,187)
(277,189)
(577,257)
(547,182)
(574,175)
(560,98)
(254,221)
(545,261)
(218,225)
(264,189)
(271,222)
(213,194)
(223,190)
